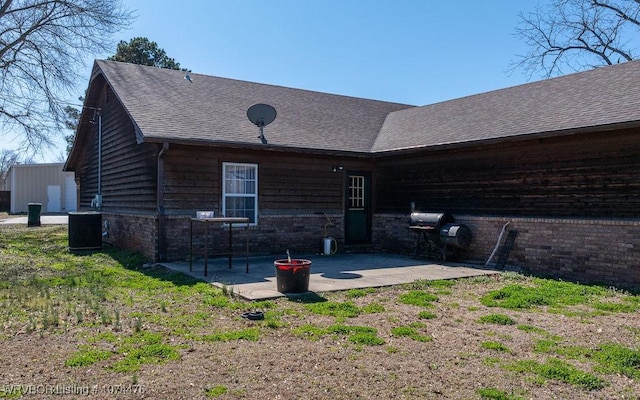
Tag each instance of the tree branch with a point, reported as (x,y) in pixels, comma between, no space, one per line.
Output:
(575,34)
(622,14)
(42,43)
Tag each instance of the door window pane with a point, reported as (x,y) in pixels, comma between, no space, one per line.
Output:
(356,191)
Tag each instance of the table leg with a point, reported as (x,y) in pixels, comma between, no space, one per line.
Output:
(190,245)
(230,243)
(246,231)
(206,245)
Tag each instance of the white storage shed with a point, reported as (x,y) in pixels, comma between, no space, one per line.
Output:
(47,184)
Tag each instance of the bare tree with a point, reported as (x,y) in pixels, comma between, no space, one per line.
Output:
(574,35)
(43,44)
(7,159)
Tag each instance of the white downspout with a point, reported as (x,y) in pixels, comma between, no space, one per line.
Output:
(99,154)
(97,200)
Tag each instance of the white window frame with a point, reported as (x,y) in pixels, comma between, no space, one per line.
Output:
(225,195)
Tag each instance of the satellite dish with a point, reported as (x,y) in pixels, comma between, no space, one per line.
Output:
(261,115)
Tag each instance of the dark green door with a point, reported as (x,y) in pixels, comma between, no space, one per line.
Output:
(358,208)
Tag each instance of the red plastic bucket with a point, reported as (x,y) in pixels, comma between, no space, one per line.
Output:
(292,276)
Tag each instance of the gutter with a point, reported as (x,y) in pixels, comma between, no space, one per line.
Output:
(96,202)
(506,139)
(258,147)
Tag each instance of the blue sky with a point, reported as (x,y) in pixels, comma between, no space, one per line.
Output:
(408,51)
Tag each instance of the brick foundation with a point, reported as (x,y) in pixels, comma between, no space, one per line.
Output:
(132,231)
(274,234)
(583,250)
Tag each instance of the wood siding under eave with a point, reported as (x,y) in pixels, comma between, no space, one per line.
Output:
(592,175)
(128,168)
(87,173)
(288,182)
(191,179)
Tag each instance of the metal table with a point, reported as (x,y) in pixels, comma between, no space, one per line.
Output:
(223,220)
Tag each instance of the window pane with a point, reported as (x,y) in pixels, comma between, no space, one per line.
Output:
(249,187)
(356,191)
(240,191)
(240,207)
(240,179)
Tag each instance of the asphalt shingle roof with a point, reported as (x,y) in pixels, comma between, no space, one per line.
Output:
(166,106)
(595,98)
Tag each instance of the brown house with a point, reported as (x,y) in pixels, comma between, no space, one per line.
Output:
(559,159)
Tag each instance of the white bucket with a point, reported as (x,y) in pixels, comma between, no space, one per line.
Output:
(329,246)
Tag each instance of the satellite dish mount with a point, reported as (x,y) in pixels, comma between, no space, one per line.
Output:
(261,115)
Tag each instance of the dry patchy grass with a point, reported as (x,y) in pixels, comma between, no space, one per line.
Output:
(105,324)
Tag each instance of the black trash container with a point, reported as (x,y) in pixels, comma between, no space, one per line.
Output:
(292,276)
(85,230)
(33,217)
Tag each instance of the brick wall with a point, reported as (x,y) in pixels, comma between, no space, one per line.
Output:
(274,234)
(133,232)
(584,250)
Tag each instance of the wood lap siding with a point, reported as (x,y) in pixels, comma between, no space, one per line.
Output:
(299,183)
(287,182)
(128,168)
(586,175)
(88,175)
(191,179)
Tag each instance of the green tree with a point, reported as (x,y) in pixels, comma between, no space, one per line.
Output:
(574,35)
(142,51)
(71,123)
(42,45)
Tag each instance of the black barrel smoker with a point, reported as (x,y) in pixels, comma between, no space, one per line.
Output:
(437,235)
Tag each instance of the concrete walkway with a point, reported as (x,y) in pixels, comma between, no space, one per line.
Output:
(44,220)
(328,273)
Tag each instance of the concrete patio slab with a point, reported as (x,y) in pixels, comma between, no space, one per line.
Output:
(328,273)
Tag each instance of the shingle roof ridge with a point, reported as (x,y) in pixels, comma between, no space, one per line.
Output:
(210,109)
(249,82)
(543,81)
(580,99)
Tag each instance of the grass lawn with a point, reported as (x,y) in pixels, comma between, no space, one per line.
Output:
(108,325)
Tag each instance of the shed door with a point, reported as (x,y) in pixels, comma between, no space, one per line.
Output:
(53,198)
(70,193)
(358,208)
